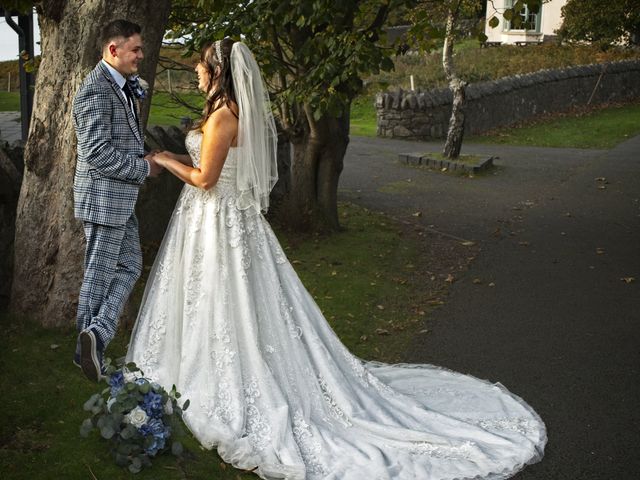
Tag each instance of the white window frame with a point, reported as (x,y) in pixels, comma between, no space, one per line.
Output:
(538,19)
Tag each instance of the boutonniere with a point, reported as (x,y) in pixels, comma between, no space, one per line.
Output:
(138,86)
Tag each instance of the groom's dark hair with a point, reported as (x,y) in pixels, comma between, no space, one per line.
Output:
(118,28)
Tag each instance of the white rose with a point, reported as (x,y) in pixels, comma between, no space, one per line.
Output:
(129,376)
(168,407)
(136,417)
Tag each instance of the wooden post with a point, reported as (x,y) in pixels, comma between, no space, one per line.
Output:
(9,83)
(169,80)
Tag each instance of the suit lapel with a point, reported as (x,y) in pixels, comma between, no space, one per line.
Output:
(135,126)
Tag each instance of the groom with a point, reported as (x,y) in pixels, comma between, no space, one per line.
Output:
(110,168)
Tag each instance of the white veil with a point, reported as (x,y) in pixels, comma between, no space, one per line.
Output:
(257,134)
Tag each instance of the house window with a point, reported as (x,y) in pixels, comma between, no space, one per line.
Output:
(530,20)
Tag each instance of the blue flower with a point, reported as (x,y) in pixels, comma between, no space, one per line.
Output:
(137,87)
(152,404)
(158,431)
(116,382)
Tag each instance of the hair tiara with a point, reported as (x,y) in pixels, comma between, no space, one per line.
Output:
(219,50)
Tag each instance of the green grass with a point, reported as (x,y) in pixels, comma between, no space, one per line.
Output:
(601,128)
(363,117)
(166,111)
(364,278)
(9,101)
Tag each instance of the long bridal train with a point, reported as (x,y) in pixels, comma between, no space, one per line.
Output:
(226,319)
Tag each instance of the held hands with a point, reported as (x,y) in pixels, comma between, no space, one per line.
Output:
(155,167)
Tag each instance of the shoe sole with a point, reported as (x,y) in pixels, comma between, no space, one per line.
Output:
(88,356)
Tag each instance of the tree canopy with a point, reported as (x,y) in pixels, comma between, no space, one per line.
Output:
(312,53)
(602,21)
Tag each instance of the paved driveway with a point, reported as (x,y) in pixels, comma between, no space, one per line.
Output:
(558,327)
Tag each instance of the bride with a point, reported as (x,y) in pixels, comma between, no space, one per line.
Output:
(226,319)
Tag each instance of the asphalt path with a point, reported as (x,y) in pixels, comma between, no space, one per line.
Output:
(553,313)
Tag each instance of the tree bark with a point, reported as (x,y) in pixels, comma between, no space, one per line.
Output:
(455,133)
(318,155)
(49,245)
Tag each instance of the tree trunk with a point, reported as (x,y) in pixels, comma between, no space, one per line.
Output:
(455,133)
(318,154)
(49,246)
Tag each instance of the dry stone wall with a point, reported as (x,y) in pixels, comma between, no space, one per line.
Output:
(424,115)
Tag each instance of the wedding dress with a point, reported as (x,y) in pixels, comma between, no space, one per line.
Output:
(226,319)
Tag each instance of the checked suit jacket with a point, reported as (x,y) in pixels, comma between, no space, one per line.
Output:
(110,166)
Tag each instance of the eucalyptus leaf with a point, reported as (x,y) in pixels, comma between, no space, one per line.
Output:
(122,460)
(177,449)
(107,432)
(88,405)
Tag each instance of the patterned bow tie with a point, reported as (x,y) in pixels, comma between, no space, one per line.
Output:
(136,87)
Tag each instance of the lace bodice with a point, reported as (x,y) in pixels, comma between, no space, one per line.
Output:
(193,142)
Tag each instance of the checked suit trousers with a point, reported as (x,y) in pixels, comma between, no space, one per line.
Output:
(112,264)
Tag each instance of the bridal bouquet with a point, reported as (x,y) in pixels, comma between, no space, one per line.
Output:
(137,416)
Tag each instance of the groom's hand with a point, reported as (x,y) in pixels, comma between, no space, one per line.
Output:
(154,167)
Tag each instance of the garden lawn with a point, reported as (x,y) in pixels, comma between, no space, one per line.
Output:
(600,128)
(366,279)
(363,117)
(166,111)
(9,101)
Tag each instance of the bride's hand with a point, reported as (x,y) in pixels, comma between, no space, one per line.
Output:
(163,156)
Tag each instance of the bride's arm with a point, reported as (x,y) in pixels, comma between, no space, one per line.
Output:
(218,134)
(185,159)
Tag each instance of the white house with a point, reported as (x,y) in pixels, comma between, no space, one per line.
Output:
(543,24)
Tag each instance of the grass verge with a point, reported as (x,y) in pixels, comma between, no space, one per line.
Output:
(9,101)
(602,127)
(370,280)
(363,117)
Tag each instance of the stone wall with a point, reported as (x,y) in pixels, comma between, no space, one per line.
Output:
(424,115)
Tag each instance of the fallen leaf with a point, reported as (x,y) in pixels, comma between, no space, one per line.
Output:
(416,214)
(628,279)
(382,331)
(602,187)
(443,169)
(600,179)
(492,284)
(53,346)
(296,262)
(380,307)
(363,338)
(477,281)
(449,279)
(424,331)
(599,251)
(468,244)
(523,244)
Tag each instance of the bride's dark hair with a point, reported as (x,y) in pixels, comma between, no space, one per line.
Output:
(220,89)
